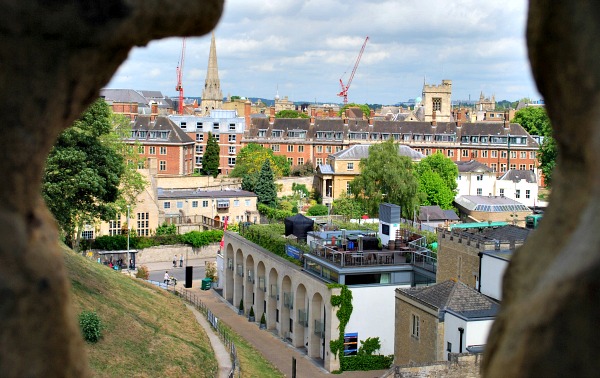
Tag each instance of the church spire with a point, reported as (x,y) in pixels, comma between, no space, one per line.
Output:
(212,97)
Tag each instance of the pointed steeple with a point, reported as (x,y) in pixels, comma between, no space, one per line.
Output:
(212,97)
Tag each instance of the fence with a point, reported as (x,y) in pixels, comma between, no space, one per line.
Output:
(221,329)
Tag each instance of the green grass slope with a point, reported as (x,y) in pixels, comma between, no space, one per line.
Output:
(147,332)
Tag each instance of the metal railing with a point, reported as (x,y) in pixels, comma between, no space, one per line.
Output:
(221,329)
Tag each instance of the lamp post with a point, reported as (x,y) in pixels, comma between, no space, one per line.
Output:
(128,231)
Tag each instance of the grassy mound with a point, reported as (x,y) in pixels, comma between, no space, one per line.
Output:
(146,331)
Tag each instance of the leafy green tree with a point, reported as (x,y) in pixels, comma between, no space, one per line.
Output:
(364,107)
(265,189)
(347,206)
(547,157)
(290,114)
(443,166)
(435,189)
(83,172)
(317,210)
(249,182)
(166,229)
(385,176)
(210,159)
(535,120)
(251,158)
(301,189)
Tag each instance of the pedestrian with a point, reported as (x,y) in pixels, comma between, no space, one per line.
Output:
(181,261)
(166,277)
(174,261)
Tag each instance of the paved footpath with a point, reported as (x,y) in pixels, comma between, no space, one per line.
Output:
(273,348)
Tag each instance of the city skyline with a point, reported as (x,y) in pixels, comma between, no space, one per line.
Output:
(301,49)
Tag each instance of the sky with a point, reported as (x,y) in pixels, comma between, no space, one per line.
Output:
(302,48)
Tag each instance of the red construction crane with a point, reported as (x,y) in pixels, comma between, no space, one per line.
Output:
(179,86)
(344,92)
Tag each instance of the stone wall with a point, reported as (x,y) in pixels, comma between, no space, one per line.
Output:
(407,348)
(166,252)
(460,366)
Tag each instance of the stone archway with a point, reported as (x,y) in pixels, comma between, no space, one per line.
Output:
(62,52)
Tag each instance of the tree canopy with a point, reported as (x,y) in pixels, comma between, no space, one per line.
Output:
(290,114)
(251,158)
(210,159)
(265,188)
(387,177)
(535,120)
(547,157)
(83,173)
(347,206)
(437,180)
(364,107)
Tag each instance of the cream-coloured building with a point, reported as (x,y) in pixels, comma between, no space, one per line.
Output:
(333,178)
(438,99)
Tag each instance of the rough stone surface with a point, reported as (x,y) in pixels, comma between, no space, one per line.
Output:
(551,304)
(56,55)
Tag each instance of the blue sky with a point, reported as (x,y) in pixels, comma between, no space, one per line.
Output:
(301,49)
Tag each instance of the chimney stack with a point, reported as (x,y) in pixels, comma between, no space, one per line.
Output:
(433,120)
(459,118)
(506,120)
(247,111)
(272,114)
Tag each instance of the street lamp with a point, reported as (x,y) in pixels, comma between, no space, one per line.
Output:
(128,231)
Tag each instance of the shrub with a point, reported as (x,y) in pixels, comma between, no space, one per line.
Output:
(263,319)
(366,362)
(143,272)
(317,210)
(91,326)
(241,308)
(251,312)
(166,229)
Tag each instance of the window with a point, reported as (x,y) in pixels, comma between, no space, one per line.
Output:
(231,138)
(231,161)
(450,153)
(276,134)
(199,149)
(216,137)
(532,154)
(518,193)
(348,190)
(465,153)
(232,150)
(290,160)
(484,154)
(320,149)
(300,161)
(350,166)
(494,167)
(198,125)
(236,202)
(152,150)
(275,147)
(513,166)
(87,234)
(385,229)
(338,148)
(290,148)
(502,167)
(319,161)
(205,203)
(143,224)
(414,329)
(523,154)
(180,204)
(474,153)
(494,154)
(163,150)
(328,149)
(262,133)
(501,192)
(114,227)
(215,126)
(300,148)
(199,137)
(437,104)
(522,167)
(479,177)
(527,193)
(167,205)
(503,154)
(513,154)
(141,149)
(479,191)
(198,160)
(232,127)
(183,125)
(162,165)
(194,203)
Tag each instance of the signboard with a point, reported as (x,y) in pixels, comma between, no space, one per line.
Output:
(293,252)
(350,344)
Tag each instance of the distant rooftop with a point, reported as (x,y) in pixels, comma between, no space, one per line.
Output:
(490,204)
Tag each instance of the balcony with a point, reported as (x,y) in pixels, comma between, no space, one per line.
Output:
(288,300)
(319,328)
(303,317)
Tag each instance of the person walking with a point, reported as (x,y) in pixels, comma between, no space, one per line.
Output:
(166,280)
(181,261)
(174,261)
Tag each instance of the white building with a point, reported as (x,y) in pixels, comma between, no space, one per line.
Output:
(475,179)
(520,185)
(493,265)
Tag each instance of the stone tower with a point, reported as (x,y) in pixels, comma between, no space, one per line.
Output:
(212,97)
(438,98)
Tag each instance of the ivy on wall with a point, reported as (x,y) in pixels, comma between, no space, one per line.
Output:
(344,301)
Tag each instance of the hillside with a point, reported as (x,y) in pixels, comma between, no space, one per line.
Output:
(148,332)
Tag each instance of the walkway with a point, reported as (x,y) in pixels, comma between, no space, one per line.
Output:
(273,348)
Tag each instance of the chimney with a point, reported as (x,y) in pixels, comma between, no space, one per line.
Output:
(313,112)
(153,111)
(331,113)
(459,118)
(506,120)
(271,114)
(247,111)
(433,121)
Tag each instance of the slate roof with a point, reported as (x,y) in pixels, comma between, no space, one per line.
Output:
(123,95)
(517,175)
(325,168)
(175,134)
(489,203)
(472,166)
(436,213)
(507,233)
(197,193)
(456,297)
(361,151)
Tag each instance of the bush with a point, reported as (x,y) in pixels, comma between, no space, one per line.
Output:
(317,210)
(271,238)
(143,272)
(251,312)
(166,229)
(365,362)
(91,326)
(263,319)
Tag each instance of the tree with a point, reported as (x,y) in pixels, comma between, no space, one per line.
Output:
(290,114)
(547,157)
(535,120)
(347,206)
(437,180)
(82,174)
(317,210)
(364,107)
(265,189)
(210,159)
(385,176)
(251,158)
